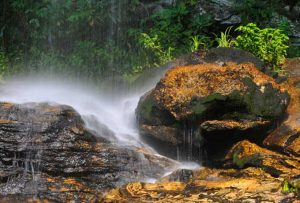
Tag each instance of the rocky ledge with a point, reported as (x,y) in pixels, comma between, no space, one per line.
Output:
(47,153)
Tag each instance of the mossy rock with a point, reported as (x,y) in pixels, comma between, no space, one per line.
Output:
(196,92)
(232,95)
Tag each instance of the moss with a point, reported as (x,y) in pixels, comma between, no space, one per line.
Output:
(146,108)
(243,161)
(199,108)
(264,103)
(214,97)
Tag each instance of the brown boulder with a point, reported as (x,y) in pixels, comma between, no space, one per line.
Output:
(245,154)
(209,97)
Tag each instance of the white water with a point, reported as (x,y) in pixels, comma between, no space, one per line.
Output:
(114,111)
(116,114)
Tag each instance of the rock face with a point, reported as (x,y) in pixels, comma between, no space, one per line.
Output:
(46,151)
(210,97)
(286,138)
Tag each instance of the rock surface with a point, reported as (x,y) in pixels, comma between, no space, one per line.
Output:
(208,185)
(46,151)
(286,138)
(245,154)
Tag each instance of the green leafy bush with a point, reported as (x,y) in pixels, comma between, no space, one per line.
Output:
(162,55)
(269,44)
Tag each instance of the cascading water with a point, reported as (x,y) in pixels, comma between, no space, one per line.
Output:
(117,115)
(109,113)
(104,113)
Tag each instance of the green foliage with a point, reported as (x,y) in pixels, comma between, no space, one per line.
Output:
(269,44)
(174,31)
(92,39)
(225,39)
(200,41)
(158,51)
(80,37)
(287,188)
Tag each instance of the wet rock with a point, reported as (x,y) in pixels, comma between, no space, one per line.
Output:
(221,11)
(245,154)
(286,138)
(181,175)
(46,151)
(222,55)
(209,97)
(171,134)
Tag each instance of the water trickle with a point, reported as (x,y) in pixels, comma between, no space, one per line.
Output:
(191,149)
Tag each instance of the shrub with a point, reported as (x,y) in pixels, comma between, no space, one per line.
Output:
(225,39)
(269,44)
(162,55)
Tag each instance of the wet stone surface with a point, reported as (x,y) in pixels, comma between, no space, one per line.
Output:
(47,153)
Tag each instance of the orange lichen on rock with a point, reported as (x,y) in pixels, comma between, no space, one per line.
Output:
(7,105)
(207,185)
(181,85)
(245,153)
(231,124)
(7,121)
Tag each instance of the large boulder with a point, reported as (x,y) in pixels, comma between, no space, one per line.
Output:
(47,151)
(209,97)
